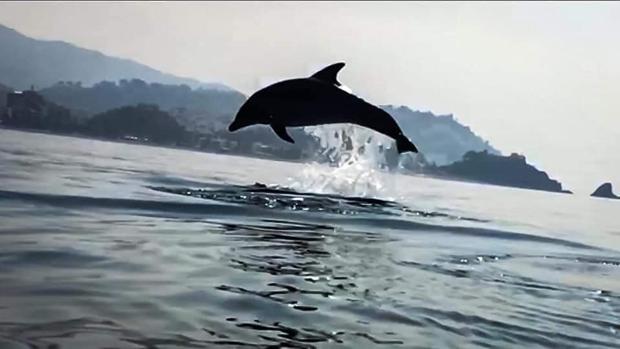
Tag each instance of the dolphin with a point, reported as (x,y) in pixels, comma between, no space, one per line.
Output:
(315,100)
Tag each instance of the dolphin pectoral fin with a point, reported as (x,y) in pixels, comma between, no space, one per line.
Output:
(280,130)
(329,74)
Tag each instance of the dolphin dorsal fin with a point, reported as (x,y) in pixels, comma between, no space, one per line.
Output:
(329,74)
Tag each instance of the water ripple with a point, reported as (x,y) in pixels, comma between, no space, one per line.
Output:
(128,250)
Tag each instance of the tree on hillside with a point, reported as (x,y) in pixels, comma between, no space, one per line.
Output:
(106,95)
(143,121)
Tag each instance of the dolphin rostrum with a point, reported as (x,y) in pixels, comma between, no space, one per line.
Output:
(315,100)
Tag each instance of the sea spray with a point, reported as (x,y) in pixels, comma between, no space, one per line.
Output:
(351,161)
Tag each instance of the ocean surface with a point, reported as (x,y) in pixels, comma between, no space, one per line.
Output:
(113,245)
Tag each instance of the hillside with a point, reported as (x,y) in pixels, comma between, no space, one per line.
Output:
(144,122)
(99,116)
(441,138)
(511,171)
(26,61)
(3,92)
(195,108)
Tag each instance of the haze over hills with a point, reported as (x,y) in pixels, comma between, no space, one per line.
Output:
(441,138)
(26,61)
(89,82)
(83,92)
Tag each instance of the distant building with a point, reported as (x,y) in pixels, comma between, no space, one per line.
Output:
(24,104)
(28,109)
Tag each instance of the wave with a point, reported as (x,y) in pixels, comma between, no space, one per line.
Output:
(252,201)
(45,335)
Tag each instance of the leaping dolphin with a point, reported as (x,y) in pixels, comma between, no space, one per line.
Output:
(315,100)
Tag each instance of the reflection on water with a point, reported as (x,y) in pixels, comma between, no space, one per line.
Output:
(142,256)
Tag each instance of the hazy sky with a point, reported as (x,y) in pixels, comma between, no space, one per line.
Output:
(542,79)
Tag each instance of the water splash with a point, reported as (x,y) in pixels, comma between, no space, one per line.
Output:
(351,161)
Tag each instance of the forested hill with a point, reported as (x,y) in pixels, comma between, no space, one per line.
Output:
(442,139)
(107,95)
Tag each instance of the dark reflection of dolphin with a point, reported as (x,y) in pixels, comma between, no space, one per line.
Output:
(313,101)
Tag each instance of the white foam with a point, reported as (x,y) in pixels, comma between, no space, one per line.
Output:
(358,163)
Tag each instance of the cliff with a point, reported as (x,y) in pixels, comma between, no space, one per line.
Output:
(511,171)
(605,191)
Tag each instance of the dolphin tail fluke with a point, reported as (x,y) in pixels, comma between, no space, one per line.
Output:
(404,145)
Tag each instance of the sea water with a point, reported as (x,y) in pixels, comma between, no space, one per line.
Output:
(113,245)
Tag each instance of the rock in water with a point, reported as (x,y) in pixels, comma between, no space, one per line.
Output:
(605,191)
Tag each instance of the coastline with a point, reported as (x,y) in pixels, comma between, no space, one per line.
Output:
(258,156)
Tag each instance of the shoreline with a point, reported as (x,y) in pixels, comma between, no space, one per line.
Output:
(256,156)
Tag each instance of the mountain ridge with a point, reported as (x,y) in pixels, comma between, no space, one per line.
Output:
(34,62)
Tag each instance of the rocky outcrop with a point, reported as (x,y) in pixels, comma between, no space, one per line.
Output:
(511,171)
(605,191)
